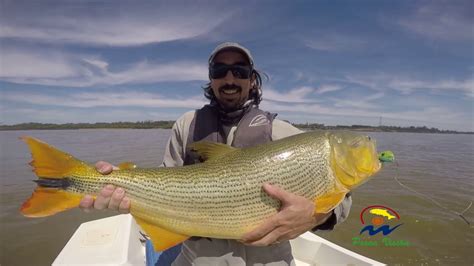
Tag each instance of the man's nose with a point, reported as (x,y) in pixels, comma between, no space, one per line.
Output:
(229,76)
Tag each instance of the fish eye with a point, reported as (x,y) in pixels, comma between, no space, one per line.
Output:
(368,137)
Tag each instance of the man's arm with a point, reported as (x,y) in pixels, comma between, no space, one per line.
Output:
(175,149)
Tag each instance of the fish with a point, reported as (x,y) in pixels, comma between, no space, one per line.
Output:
(382,212)
(222,197)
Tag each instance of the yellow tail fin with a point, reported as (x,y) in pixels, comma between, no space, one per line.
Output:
(52,166)
(48,201)
(50,162)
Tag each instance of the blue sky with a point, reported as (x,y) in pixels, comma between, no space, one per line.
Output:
(331,62)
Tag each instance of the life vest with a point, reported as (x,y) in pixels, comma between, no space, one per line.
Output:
(255,127)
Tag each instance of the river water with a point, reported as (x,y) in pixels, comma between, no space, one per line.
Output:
(436,165)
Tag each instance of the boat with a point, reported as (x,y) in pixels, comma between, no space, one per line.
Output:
(117,240)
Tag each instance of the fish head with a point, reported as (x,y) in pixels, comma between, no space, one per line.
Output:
(354,158)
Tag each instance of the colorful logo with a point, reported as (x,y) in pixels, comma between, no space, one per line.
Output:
(379,220)
(380,215)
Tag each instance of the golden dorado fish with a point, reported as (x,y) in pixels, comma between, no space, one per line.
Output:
(219,198)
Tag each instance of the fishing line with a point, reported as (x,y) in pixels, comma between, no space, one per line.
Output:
(460,214)
(389,157)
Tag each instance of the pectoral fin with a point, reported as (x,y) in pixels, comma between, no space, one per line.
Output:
(162,239)
(328,202)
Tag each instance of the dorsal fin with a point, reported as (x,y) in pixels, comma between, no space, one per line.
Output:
(126,166)
(211,150)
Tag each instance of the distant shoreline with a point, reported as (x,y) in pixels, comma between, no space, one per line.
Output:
(169,124)
(411,129)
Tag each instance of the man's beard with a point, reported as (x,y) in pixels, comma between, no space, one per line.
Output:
(233,105)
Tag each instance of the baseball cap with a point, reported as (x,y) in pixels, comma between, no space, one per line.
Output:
(231,46)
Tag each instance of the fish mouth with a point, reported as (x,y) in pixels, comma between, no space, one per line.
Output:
(353,178)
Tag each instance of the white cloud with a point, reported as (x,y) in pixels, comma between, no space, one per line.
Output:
(99,64)
(342,111)
(75,70)
(407,85)
(298,95)
(450,20)
(52,115)
(441,117)
(119,24)
(328,88)
(100,99)
(334,42)
(25,64)
(358,102)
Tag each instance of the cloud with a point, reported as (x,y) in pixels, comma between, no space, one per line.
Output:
(334,42)
(304,94)
(446,20)
(63,115)
(328,88)
(53,68)
(97,63)
(15,63)
(440,117)
(123,24)
(358,102)
(407,85)
(101,99)
(298,95)
(76,107)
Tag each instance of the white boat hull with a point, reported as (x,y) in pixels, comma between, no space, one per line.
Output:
(116,241)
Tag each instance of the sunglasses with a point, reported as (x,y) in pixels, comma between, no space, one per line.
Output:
(218,71)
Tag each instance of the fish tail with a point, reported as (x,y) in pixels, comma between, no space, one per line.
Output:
(54,169)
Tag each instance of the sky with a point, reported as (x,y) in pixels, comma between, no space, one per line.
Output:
(395,63)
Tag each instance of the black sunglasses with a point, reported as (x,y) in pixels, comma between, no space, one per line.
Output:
(218,71)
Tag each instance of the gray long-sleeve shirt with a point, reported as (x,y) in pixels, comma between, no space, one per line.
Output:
(205,251)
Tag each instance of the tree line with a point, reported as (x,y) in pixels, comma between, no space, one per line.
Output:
(135,125)
(414,129)
(168,124)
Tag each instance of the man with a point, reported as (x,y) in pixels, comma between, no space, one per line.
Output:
(233,117)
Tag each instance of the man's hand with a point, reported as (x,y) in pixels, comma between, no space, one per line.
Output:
(295,217)
(109,197)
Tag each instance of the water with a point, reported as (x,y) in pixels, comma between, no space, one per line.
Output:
(437,165)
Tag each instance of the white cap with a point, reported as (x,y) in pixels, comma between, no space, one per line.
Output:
(231,46)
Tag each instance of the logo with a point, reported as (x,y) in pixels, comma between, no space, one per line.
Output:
(259,120)
(380,213)
(378,220)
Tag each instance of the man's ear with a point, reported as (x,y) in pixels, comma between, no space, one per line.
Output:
(253,79)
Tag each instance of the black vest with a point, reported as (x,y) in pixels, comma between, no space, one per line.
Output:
(255,127)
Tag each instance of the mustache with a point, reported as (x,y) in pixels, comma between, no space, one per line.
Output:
(230,86)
